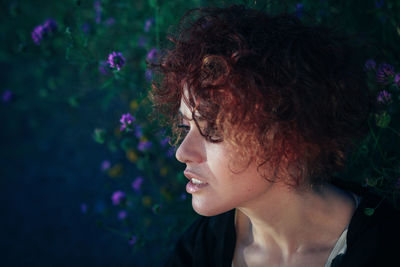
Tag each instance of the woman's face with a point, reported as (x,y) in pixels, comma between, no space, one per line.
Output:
(215,188)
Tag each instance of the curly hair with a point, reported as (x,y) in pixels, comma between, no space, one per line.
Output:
(278,90)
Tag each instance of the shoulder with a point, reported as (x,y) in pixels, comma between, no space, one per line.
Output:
(374,233)
(203,238)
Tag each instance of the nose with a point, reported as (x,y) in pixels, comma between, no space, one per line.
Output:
(191,149)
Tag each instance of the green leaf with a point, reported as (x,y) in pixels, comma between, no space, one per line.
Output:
(383,119)
(369,211)
(126,144)
(99,135)
(153,3)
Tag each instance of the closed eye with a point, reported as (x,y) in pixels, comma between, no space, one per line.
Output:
(184,127)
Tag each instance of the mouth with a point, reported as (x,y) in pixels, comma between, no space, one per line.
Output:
(196,183)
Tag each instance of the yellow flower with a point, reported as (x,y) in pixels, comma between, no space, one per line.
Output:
(133,105)
(165,193)
(117,132)
(146,200)
(131,155)
(163,171)
(115,170)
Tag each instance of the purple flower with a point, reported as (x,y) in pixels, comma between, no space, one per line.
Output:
(97,9)
(104,69)
(397,79)
(137,183)
(170,152)
(142,41)
(397,185)
(7,96)
(299,10)
(85,28)
(148,74)
(84,208)
(370,64)
(109,22)
(138,131)
(37,34)
(117,197)
(40,31)
(379,4)
(384,73)
(132,240)
(384,97)
(122,215)
(116,60)
(164,141)
(144,145)
(152,55)
(105,165)
(50,25)
(126,122)
(148,24)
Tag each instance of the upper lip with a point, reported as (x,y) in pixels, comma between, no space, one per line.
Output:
(189,174)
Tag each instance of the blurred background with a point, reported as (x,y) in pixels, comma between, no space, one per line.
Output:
(86,178)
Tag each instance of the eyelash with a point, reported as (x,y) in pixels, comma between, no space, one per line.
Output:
(184,127)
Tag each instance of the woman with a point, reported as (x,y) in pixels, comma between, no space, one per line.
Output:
(268,111)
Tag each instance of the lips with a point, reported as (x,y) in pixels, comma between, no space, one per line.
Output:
(196,178)
(196,184)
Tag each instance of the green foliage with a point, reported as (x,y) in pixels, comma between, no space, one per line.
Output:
(68,71)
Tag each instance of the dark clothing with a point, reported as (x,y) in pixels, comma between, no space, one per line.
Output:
(371,240)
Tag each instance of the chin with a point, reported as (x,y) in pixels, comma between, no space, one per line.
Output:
(206,209)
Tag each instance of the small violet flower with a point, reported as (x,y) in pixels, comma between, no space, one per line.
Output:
(116,60)
(397,185)
(148,74)
(109,22)
(132,240)
(137,183)
(397,79)
(97,9)
(84,208)
(126,122)
(122,215)
(43,30)
(379,4)
(86,28)
(370,64)
(142,41)
(104,69)
(384,73)
(105,165)
(117,197)
(384,97)
(170,152)
(164,141)
(7,96)
(148,24)
(299,10)
(138,131)
(152,55)
(144,145)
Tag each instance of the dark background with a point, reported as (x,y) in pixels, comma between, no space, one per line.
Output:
(50,162)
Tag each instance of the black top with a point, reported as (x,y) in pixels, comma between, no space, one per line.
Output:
(372,240)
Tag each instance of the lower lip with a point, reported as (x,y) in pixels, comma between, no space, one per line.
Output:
(194,188)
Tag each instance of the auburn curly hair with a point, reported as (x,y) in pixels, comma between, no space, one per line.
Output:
(276,89)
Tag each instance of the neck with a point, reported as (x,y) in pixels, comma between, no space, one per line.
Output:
(290,222)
